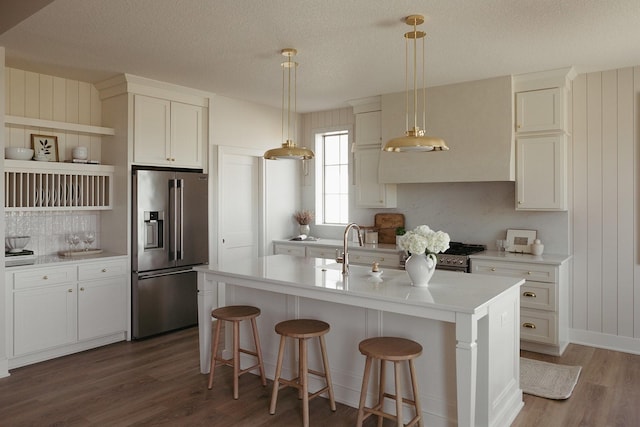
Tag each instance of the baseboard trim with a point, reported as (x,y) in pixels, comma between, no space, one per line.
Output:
(606,341)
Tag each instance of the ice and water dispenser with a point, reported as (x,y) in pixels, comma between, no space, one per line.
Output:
(153,226)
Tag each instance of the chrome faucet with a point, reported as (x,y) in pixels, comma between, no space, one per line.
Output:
(344,259)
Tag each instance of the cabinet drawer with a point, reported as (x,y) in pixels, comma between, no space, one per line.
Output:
(289,250)
(44,277)
(102,270)
(367,258)
(328,253)
(538,295)
(538,326)
(536,272)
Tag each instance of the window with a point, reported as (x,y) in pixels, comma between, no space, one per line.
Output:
(332,177)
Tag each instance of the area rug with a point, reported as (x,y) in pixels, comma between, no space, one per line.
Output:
(548,380)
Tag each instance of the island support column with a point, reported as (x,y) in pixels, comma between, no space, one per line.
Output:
(466,367)
(210,296)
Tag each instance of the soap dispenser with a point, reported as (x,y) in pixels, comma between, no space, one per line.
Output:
(537,248)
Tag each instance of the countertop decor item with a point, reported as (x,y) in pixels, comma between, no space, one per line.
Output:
(18,153)
(415,139)
(289,149)
(45,147)
(304,218)
(386,224)
(520,240)
(15,244)
(537,247)
(80,153)
(423,243)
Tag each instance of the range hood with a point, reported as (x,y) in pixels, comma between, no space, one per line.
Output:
(475,119)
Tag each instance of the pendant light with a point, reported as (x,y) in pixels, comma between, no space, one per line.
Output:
(289,149)
(415,138)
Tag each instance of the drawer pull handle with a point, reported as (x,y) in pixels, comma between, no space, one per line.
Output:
(45,277)
(381,259)
(104,270)
(493,269)
(529,325)
(70,290)
(529,273)
(82,289)
(529,294)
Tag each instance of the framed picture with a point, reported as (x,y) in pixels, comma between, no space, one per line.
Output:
(520,240)
(45,147)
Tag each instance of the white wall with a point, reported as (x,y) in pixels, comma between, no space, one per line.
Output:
(605,232)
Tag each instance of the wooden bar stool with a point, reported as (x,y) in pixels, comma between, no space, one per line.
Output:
(236,314)
(302,330)
(394,350)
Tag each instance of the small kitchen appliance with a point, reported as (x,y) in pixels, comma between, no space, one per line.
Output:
(456,258)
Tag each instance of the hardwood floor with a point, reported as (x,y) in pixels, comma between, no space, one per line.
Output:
(157,382)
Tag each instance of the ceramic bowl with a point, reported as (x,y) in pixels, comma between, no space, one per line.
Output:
(375,274)
(16,243)
(18,153)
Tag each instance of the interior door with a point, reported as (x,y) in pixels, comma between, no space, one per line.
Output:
(240,204)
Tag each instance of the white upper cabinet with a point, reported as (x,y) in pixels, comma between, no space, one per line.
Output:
(368,130)
(369,193)
(541,173)
(542,139)
(167,133)
(540,110)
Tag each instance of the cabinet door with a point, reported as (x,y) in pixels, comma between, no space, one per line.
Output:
(369,193)
(186,135)
(297,250)
(101,307)
(540,110)
(44,317)
(541,171)
(368,130)
(151,130)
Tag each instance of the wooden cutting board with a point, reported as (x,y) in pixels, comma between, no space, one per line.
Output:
(386,223)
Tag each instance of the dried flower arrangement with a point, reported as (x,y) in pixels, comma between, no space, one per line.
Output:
(303,217)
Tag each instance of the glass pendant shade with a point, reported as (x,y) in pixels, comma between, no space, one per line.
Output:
(415,138)
(289,150)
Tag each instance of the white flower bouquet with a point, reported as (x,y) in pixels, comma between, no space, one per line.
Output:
(422,239)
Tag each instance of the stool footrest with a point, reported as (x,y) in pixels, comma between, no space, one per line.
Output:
(404,399)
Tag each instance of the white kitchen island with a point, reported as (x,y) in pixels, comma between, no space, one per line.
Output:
(467,324)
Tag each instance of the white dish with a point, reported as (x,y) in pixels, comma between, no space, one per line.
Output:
(18,153)
(376,274)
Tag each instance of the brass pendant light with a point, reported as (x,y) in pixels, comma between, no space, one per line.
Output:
(415,138)
(289,149)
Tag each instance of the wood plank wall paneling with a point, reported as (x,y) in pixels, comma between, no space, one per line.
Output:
(605,294)
(47,97)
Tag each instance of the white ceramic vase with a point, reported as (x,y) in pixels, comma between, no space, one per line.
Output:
(305,229)
(420,268)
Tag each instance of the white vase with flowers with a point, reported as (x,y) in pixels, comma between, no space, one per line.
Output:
(304,218)
(422,243)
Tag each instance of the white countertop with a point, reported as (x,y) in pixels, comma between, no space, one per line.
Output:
(552,259)
(43,260)
(448,291)
(380,247)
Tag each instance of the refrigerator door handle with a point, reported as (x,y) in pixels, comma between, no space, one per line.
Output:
(179,220)
(173,230)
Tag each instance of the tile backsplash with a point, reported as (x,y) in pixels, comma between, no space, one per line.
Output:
(48,230)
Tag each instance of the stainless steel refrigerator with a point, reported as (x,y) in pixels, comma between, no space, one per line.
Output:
(170,236)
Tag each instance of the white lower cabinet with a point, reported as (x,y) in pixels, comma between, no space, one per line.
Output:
(57,310)
(543,298)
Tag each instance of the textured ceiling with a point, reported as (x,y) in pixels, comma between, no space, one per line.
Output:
(347,49)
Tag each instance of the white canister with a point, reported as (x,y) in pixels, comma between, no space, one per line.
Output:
(536,247)
(80,153)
